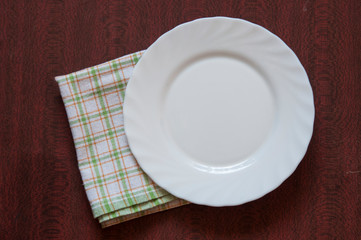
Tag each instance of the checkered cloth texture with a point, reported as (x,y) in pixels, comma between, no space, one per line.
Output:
(117,188)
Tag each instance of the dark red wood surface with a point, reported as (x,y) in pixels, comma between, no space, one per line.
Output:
(41,193)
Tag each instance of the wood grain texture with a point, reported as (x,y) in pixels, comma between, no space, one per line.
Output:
(41,193)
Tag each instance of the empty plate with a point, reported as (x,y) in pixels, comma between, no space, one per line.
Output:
(219,111)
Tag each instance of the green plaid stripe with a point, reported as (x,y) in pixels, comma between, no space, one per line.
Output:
(168,204)
(115,184)
(136,208)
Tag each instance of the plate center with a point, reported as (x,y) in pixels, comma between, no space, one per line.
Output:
(219,110)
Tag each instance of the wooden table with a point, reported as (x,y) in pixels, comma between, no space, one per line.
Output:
(41,193)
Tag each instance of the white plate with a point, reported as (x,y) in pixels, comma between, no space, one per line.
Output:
(219,111)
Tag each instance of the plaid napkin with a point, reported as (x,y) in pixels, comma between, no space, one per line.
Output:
(117,188)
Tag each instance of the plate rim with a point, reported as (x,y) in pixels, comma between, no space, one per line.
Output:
(150,172)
